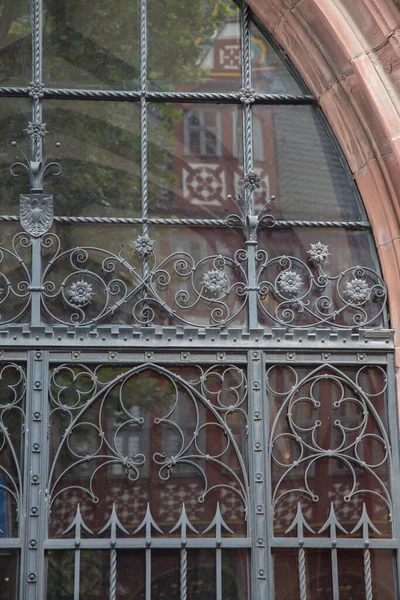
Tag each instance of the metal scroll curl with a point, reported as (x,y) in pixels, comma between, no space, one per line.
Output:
(333,418)
(171,416)
(90,285)
(296,294)
(12,419)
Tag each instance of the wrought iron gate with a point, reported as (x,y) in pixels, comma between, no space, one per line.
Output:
(195,415)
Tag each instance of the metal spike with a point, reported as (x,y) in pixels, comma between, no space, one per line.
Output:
(365,522)
(184,523)
(114,523)
(78,523)
(148,522)
(218,522)
(332,523)
(300,522)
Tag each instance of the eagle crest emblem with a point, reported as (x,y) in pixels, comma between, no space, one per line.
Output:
(36,213)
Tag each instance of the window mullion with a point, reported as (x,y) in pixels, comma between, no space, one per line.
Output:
(257,418)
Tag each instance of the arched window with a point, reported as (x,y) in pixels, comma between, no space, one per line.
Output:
(196,378)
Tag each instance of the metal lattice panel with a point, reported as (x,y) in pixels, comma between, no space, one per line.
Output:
(191,415)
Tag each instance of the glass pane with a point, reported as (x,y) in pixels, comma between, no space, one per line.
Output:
(317,573)
(286,574)
(205,281)
(100,149)
(15,266)
(329,450)
(289,284)
(195,159)
(91,44)
(352,578)
(209,290)
(165,574)
(235,584)
(9,571)
(131,572)
(298,163)
(12,408)
(161,445)
(90,277)
(14,116)
(201,574)
(269,74)
(60,574)
(15,43)
(194,46)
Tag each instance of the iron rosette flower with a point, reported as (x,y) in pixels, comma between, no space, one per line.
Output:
(214,284)
(285,284)
(318,253)
(362,291)
(80,293)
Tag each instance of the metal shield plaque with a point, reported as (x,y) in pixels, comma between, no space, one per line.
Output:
(36,213)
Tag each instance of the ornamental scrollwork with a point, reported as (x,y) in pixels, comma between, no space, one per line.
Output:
(12,423)
(329,445)
(295,293)
(15,279)
(148,424)
(89,285)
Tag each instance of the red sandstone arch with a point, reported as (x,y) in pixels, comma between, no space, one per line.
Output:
(348,52)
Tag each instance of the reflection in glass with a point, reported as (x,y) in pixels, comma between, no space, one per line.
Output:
(329,450)
(60,574)
(269,74)
(299,164)
(326,299)
(165,575)
(12,410)
(93,578)
(194,46)
(159,444)
(15,43)
(91,45)
(100,148)
(196,252)
(9,574)
(318,575)
(235,584)
(286,577)
(195,159)
(352,576)
(14,116)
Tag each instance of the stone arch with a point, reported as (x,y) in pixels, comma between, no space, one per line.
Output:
(349,55)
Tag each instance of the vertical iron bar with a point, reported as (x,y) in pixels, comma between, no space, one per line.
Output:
(37,147)
(335,573)
(248,166)
(257,522)
(367,574)
(302,571)
(148,560)
(37,75)
(143,125)
(334,562)
(218,558)
(33,584)
(77,572)
(113,573)
(183,574)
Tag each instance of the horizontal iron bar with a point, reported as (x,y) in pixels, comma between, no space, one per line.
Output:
(165,543)
(135,95)
(9,543)
(187,222)
(354,543)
